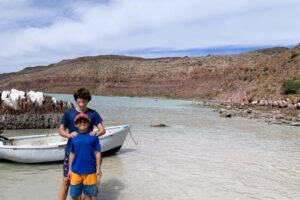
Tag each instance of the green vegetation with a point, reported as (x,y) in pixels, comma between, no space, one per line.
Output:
(291,86)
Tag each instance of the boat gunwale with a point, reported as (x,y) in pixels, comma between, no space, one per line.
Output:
(57,145)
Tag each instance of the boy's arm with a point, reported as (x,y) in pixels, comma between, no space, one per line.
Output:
(101,129)
(63,125)
(71,158)
(62,131)
(98,163)
(65,121)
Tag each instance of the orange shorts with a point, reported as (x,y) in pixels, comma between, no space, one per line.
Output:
(87,179)
(86,184)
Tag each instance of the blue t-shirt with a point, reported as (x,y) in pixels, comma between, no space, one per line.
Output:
(84,147)
(69,117)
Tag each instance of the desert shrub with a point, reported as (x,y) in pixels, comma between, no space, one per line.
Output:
(247,69)
(290,86)
(294,54)
(265,69)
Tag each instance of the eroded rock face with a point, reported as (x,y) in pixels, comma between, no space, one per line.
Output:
(20,110)
(231,78)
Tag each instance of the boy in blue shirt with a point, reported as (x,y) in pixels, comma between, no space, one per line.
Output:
(84,160)
(82,97)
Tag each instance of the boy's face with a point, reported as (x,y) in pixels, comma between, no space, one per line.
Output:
(82,102)
(82,124)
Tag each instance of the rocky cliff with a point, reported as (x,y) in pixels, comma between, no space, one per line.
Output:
(234,78)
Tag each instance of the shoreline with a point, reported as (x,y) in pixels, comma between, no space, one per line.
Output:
(270,115)
(281,114)
(267,113)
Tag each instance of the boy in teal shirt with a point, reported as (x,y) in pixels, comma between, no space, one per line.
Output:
(84,160)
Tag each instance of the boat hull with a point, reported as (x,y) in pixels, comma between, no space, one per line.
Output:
(37,152)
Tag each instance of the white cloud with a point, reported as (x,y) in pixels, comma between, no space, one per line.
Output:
(32,33)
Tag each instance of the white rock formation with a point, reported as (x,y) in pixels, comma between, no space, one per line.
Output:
(12,97)
(37,97)
(54,100)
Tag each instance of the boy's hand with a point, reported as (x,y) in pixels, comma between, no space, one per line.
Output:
(99,172)
(95,133)
(73,134)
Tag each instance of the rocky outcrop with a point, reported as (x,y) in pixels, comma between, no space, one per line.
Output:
(270,115)
(28,110)
(287,103)
(29,121)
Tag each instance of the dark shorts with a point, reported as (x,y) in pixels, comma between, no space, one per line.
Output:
(66,164)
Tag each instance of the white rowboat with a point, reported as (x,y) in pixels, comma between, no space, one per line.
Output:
(50,147)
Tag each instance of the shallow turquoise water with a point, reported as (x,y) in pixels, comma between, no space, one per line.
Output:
(199,156)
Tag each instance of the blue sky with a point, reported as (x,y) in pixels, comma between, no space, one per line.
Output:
(41,32)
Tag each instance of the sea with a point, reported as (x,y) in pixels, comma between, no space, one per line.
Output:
(198,155)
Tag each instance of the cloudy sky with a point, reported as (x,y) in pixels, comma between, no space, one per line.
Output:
(40,32)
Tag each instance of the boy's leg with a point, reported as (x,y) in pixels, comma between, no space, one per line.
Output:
(96,191)
(86,197)
(96,188)
(76,198)
(63,191)
(89,184)
(76,186)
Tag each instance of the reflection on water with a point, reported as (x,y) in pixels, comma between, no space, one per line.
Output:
(200,156)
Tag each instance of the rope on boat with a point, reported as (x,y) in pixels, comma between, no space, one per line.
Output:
(136,143)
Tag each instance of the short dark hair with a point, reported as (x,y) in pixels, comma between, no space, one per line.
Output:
(82,93)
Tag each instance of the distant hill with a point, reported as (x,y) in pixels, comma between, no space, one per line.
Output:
(235,78)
